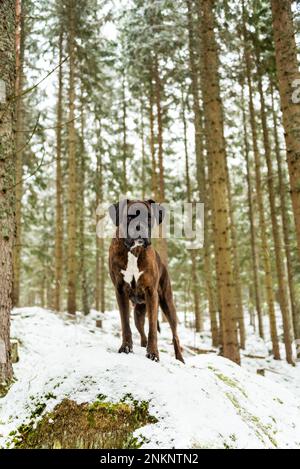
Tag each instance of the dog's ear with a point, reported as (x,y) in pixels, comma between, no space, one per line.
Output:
(115,211)
(158,211)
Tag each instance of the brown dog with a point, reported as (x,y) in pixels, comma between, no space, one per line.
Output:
(139,275)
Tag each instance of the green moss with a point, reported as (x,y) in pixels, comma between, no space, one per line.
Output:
(230,382)
(260,429)
(97,425)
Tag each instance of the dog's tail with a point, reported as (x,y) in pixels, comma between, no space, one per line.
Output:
(158,326)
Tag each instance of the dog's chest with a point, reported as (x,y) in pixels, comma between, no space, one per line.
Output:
(132,273)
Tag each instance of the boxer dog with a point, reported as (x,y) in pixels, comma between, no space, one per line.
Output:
(139,275)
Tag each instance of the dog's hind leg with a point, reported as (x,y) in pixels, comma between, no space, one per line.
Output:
(166,303)
(139,319)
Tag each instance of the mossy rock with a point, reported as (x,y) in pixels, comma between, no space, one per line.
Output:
(82,426)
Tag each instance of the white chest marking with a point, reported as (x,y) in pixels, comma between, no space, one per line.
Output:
(132,270)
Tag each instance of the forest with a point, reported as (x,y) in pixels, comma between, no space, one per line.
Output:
(186,101)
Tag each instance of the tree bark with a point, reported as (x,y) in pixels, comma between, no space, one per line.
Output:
(236,265)
(124,130)
(194,72)
(59,188)
(286,226)
(214,127)
(282,283)
(193,253)
(142,133)
(162,246)
(260,203)
(255,264)
(289,81)
(7,180)
(81,189)
(100,257)
(72,267)
(152,140)
(20,110)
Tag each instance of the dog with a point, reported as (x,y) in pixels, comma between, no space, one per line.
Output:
(139,275)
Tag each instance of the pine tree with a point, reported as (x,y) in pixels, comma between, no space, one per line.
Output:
(59,187)
(72,193)
(288,78)
(7,179)
(217,154)
(20,110)
(260,202)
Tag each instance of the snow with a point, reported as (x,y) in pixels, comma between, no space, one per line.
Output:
(207,403)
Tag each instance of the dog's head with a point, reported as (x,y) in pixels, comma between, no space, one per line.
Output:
(135,220)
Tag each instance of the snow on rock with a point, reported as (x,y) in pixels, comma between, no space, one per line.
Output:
(208,403)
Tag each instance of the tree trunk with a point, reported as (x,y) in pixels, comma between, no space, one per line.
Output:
(236,265)
(286,227)
(82,253)
(193,252)
(100,257)
(59,188)
(283,298)
(20,48)
(124,130)
(288,78)
(7,180)
(255,264)
(142,131)
(72,193)
(196,105)
(162,246)
(260,203)
(152,140)
(214,127)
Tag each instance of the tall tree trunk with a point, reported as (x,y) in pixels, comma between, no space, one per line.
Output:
(196,104)
(255,265)
(100,257)
(236,265)
(158,90)
(193,252)
(260,203)
(7,180)
(288,78)
(152,140)
(20,48)
(214,127)
(200,172)
(283,298)
(286,226)
(82,253)
(124,131)
(72,268)
(59,188)
(161,241)
(142,131)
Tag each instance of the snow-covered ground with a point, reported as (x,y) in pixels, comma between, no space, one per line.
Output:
(207,403)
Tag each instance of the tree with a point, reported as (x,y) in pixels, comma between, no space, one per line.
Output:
(214,129)
(20,111)
(72,223)
(59,186)
(260,201)
(288,79)
(7,179)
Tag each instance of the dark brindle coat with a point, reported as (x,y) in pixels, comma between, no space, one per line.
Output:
(150,287)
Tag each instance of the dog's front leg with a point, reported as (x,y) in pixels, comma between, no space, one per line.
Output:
(123,303)
(152,312)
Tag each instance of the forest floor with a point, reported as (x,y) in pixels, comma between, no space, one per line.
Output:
(207,403)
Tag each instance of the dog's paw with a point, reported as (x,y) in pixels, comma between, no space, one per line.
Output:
(125,348)
(153,356)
